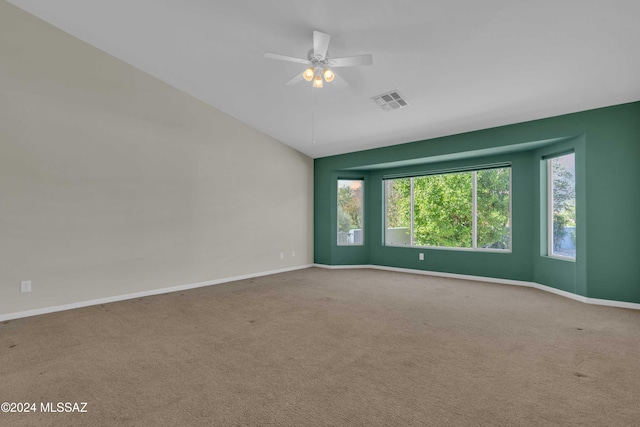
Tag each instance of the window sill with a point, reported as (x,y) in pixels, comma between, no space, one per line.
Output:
(445,248)
(560,258)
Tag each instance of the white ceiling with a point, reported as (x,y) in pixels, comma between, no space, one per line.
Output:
(462,64)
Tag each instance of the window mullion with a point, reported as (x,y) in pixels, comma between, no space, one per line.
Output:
(411,242)
(549,208)
(474,215)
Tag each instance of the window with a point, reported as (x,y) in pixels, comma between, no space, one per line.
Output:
(398,217)
(469,210)
(493,216)
(443,210)
(561,206)
(350,212)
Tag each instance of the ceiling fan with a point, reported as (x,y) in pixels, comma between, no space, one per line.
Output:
(321,64)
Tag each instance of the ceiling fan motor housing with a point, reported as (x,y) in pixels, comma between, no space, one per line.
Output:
(319,64)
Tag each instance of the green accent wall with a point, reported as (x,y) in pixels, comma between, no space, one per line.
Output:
(607,146)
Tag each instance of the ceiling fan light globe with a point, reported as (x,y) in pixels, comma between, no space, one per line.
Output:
(328,75)
(317,81)
(308,74)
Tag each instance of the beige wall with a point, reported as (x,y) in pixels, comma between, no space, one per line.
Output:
(112,182)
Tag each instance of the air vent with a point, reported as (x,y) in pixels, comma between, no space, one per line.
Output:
(390,101)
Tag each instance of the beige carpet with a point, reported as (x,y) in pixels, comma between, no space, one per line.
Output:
(333,348)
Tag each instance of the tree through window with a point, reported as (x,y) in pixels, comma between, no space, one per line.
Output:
(350,212)
(562,206)
(453,210)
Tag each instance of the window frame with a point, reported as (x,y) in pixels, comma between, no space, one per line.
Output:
(549,200)
(474,247)
(362,212)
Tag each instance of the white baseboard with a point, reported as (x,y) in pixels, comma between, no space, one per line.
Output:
(45,310)
(612,303)
(586,300)
(343,267)
(71,306)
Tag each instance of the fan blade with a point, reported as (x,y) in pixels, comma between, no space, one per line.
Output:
(295,80)
(320,44)
(287,58)
(338,81)
(352,61)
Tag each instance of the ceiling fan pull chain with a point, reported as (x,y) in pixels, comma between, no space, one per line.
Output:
(313,108)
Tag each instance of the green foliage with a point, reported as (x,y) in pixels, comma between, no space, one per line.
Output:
(493,194)
(443,208)
(349,207)
(564,190)
(344,220)
(564,203)
(398,203)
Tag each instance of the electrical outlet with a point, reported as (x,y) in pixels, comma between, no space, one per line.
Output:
(281,255)
(293,254)
(421,256)
(25,286)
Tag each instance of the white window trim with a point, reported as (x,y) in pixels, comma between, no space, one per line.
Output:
(550,253)
(474,248)
(362,213)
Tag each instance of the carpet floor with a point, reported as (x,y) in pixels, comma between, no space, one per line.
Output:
(331,348)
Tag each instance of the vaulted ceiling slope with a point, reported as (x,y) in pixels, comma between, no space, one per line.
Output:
(462,65)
